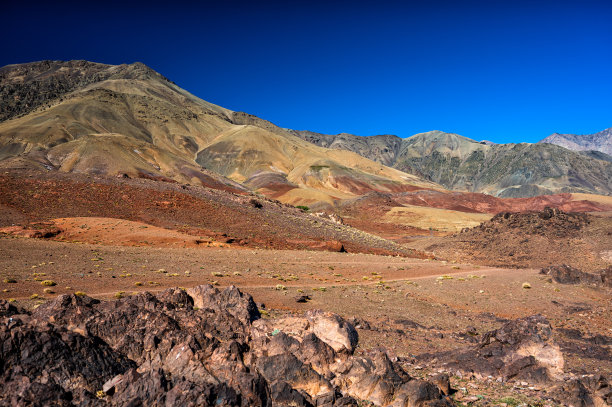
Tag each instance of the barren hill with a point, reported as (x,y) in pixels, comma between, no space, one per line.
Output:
(84,117)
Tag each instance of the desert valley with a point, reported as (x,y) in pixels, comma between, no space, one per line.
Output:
(158,249)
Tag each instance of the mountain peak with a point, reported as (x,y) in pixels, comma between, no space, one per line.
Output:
(600,141)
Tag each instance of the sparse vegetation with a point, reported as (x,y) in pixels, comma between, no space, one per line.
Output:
(255,203)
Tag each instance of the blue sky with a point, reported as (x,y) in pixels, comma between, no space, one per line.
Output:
(506,71)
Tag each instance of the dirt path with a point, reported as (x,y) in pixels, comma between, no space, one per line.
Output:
(102,269)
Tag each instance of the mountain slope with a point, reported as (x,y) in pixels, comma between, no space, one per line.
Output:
(601,141)
(505,170)
(79,116)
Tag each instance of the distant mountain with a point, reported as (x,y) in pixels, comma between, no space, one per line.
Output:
(504,170)
(79,116)
(601,141)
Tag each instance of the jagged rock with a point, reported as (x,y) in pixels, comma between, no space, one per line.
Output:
(232,299)
(198,347)
(522,349)
(565,274)
(588,391)
(333,330)
(443,383)
(7,309)
(606,276)
(45,364)
(329,327)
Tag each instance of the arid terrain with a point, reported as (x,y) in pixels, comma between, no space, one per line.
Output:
(157,249)
(423,309)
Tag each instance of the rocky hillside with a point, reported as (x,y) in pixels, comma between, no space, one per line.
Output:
(25,87)
(504,170)
(84,117)
(601,141)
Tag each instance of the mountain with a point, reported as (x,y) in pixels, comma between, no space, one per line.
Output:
(85,117)
(601,141)
(504,170)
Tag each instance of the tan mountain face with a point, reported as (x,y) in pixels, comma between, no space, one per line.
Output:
(127,119)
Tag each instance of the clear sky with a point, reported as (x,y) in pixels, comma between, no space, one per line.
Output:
(506,71)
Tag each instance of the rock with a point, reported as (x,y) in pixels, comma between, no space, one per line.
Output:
(522,349)
(196,347)
(44,364)
(594,390)
(241,306)
(302,298)
(565,274)
(443,383)
(606,276)
(333,330)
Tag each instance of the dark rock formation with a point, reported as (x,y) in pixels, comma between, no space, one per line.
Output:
(197,347)
(522,349)
(593,390)
(565,274)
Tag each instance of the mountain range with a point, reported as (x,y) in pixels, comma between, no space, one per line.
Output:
(129,120)
(460,163)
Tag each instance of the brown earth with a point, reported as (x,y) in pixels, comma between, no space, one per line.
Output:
(532,239)
(407,307)
(28,197)
(406,217)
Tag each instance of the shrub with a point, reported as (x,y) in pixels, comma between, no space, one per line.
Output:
(80,294)
(10,280)
(48,283)
(304,208)
(255,203)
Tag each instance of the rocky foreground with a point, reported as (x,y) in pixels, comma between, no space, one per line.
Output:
(206,347)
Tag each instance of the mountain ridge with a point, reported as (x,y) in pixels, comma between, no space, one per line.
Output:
(127,119)
(600,141)
(114,119)
(505,170)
